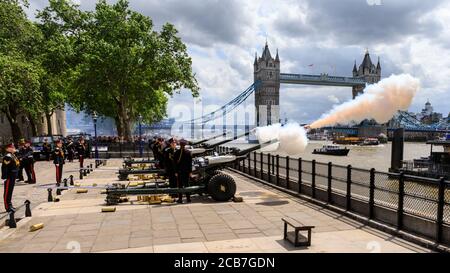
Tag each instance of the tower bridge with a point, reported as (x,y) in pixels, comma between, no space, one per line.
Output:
(267,80)
(267,74)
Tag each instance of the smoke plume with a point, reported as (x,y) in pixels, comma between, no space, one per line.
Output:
(291,137)
(380,101)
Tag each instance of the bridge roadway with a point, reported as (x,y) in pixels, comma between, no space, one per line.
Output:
(322,79)
(203,226)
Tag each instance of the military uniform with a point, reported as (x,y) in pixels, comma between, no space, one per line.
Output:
(81,149)
(46,148)
(19,155)
(28,164)
(158,154)
(10,167)
(70,150)
(183,168)
(58,160)
(169,164)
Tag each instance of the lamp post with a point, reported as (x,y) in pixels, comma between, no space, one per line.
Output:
(141,150)
(94,118)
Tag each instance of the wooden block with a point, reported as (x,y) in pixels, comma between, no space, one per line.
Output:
(109,209)
(238,199)
(94,184)
(36,227)
(82,191)
(134,184)
(77,185)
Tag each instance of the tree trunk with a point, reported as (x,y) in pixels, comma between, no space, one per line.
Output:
(48,117)
(123,120)
(33,126)
(11,115)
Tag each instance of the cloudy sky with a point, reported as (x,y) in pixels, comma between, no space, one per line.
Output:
(409,36)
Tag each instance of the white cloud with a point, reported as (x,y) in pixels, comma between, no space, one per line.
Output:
(223,35)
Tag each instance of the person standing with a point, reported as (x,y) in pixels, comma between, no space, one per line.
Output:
(70,149)
(183,159)
(169,163)
(28,163)
(20,155)
(81,149)
(58,160)
(10,167)
(46,149)
(158,152)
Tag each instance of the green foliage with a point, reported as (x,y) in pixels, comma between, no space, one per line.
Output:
(20,70)
(126,68)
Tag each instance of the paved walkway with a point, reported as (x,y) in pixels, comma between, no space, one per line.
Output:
(76,224)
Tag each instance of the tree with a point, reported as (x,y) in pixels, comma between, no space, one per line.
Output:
(127,69)
(19,69)
(19,82)
(56,57)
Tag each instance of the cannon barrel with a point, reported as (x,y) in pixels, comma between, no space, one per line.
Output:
(238,152)
(207,139)
(229,139)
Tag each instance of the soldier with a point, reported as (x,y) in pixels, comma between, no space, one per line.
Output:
(169,163)
(19,155)
(58,160)
(81,149)
(28,162)
(10,167)
(46,149)
(158,152)
(183,159)
(70,149)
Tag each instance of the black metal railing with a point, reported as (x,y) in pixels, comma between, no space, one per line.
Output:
(407,202)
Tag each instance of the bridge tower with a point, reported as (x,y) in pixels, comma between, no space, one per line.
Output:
(368,71)
(267,92)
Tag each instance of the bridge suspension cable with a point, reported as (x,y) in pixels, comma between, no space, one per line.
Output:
(225,109)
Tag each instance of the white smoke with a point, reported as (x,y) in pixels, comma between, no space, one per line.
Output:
(380,101)
(291,138)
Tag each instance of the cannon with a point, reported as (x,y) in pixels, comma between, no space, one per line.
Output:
(199,151)
(207,178)
(130,162)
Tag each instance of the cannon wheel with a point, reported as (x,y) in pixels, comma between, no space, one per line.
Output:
(221,187)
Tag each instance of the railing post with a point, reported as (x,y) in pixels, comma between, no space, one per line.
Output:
(254,165)
(371,193)
(27,208)
(261,172)
(269,173)
(299,175)
(278,170)
(440,210)
(287,172)
(249,164)
(401,197)
(330,166)
(313,178)
(50,196)
(349,187)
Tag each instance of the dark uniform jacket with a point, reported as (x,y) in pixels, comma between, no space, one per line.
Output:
(26,155)
(81,149)
(58,156)
(70,147)
(169,160)
(10,164)
(183,159)
(158,154)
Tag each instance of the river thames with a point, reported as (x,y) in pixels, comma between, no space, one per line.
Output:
(366,157)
